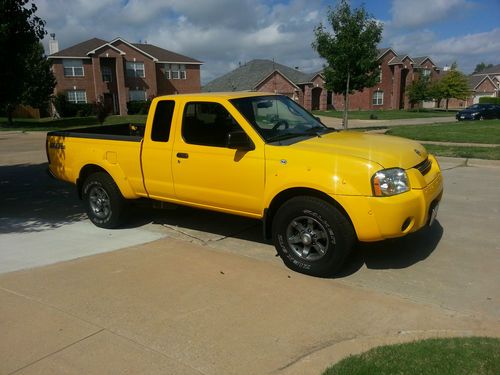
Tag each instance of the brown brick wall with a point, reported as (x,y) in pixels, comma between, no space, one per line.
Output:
(191,84)
(148,82)
(153,83)
(65,84)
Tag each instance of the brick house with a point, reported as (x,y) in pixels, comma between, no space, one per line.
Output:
(397,72)
(485,83)
(119,71)
(268,76)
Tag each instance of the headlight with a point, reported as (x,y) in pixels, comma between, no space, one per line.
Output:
(389,182)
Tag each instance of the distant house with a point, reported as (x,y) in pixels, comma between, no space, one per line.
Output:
(397,72)
(485,83)
(119,71)
(268,76)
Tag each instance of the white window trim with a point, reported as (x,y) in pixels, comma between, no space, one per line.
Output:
(73,67)
(130,96)
(134,65)
(378,98)
(169,72)
(76,101)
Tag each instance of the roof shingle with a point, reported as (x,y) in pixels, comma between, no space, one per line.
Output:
(249,75)
(82,49)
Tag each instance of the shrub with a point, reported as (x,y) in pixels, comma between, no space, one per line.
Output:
(138,107)
(68,109)
(489,100)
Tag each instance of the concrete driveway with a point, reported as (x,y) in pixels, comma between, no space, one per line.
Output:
(194,292)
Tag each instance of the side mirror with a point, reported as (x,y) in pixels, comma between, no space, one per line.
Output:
(239,140)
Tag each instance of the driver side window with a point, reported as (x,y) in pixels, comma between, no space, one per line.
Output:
(207,124)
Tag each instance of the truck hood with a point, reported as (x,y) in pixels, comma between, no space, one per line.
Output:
(388,151)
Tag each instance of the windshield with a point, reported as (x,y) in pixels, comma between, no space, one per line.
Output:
(277,117)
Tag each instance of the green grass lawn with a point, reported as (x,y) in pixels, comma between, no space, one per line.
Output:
(386,114)
(455,356)
(460,132)
(48,123)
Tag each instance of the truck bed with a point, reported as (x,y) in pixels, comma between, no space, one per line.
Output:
(118,132)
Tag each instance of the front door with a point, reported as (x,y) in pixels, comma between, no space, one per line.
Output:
(209,174)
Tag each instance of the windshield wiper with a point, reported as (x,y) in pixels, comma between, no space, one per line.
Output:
(282,137)
(319,130)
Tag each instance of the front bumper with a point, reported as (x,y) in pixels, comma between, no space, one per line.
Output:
(466,116)
(379,218)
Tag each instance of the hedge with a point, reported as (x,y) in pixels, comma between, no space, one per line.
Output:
(138,107)
(489,99)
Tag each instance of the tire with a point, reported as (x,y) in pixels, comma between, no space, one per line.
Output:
(104,202)
(312,236)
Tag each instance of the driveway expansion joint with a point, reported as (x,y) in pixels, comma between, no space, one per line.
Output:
(57,351)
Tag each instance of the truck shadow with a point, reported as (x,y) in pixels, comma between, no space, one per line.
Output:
(32,201)
(395,253)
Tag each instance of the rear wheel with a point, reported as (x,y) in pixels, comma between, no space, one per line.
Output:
(103,201)
(312,236)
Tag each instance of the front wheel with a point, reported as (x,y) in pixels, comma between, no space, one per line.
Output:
(312,236)
(104,202)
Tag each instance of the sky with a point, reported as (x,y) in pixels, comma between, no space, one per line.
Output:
(225,33)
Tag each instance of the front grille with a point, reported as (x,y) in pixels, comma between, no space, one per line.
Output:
(424,167)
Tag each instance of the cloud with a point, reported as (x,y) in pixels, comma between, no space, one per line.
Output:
(221,33)
(406,14)
(468,50)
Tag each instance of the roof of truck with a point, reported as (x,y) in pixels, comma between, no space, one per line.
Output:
(218,95)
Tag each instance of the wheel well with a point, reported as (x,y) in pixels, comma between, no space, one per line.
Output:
(84,173)
(285,195)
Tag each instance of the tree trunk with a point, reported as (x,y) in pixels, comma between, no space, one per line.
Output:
(447,104)
(10,111)
(346,102)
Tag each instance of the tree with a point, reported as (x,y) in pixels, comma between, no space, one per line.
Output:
(39,81)
(436,92)
(481,67)
(418,91)
(454,85)
(350,51)
(21,57)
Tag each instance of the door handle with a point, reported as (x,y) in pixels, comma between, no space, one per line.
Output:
(182,155)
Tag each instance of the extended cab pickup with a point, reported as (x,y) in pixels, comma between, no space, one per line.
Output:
(263,156)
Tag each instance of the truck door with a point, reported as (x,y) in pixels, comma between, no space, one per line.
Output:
(206,172)
(157,151)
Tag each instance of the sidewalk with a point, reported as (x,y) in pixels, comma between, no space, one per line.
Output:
(354,124)
(172,307)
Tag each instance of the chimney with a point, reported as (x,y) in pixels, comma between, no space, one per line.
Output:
(53,44)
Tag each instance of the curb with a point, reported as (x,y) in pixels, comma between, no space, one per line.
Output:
(320,360)
(466,162)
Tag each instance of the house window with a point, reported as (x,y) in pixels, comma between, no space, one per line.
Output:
(137,95)
(73,68)
(77,96)
(175,71)
(426,72)
(107,74)
(378,98)
(135,69)
(380,74)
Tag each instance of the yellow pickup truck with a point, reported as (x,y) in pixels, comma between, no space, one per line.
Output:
(317,190)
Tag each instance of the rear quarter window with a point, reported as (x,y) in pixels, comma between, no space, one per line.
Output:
(162,121)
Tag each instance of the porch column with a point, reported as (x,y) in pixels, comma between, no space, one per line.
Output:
(120,85)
